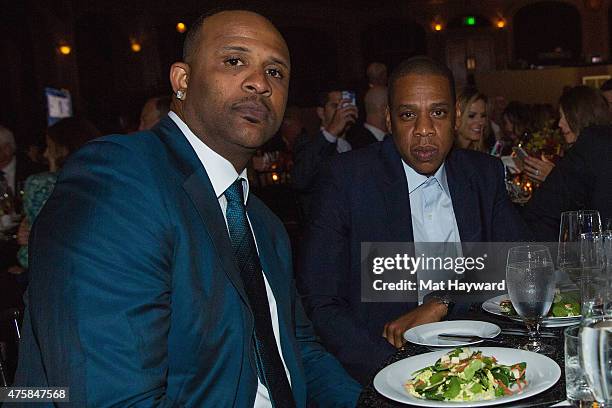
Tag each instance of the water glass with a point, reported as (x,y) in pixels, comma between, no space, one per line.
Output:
(576,385)
(530,278)
(596,359)
(589,222)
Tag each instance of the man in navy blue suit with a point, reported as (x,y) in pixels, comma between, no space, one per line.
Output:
(156,278)
(411,188)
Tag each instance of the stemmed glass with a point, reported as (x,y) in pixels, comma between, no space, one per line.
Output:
(593,280)
(531,287)
(568,254)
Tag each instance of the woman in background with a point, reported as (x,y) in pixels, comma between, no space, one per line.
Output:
(62,139)
(472,124)
(579,108)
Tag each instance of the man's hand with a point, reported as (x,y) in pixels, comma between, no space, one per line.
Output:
(343,118)
(432,311)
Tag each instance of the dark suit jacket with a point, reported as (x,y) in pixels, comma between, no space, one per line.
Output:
(308,155)
(363,197)
(582,180)
(135,298)
(359,136)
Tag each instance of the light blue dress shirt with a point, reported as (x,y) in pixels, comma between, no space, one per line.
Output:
(433,220)
(433,217)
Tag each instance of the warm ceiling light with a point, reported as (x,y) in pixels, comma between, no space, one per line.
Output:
(65,49)
(438,27)
(501,23)
(181,27)
(136,47)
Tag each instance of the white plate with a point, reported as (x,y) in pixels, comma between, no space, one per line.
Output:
(427,334)
(492,306)
(542,373)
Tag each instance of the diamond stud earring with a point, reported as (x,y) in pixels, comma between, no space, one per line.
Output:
(180,94)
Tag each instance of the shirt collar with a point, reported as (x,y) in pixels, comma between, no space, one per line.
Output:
(378,134)
(415,180)
(220,171)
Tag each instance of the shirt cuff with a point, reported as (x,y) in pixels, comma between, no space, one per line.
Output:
(342,145)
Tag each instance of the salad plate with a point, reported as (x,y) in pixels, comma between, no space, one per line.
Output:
(427,334)
(538,372)
(494,306)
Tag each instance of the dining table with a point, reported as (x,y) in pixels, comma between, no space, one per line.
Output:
(554,395)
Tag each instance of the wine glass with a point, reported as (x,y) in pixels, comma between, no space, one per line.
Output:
(593,279)
(596,359)
(568,253)
(531,287)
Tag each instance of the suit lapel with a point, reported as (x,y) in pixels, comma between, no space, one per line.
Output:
(199,188)
(465,200)
(395,191)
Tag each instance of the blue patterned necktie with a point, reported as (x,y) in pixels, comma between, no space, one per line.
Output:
(267,354)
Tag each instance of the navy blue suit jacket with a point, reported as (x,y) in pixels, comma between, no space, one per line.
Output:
(363,197)
(135,298)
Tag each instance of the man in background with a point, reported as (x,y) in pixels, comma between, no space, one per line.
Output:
(156,278)
(153,110)
(337,116)
(377,74)
(374,129)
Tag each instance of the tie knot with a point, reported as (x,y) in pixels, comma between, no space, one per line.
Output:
(234,193)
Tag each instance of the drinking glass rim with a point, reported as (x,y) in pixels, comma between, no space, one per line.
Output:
(530,248)
(570,328)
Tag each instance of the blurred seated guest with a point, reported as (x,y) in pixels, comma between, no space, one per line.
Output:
(516,125)
(62,139)
(472,124)
(277,153)
(412,187)
(374,129)
(153,110)
(34,152)
(337,116)
(496,109)
(14,167)
(582,179)
(291,129)
(606,89)
(377,74)
(579,107)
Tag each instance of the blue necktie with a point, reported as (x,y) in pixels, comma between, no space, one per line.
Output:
(267,355)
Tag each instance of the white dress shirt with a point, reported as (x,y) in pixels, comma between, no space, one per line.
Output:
(9,173)
(342,145)
(222,174)
(378,134)
(433,219)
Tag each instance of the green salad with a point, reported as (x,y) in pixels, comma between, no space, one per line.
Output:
(463,375)
(564,305)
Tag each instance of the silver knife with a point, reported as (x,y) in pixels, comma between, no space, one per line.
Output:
(470,337)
